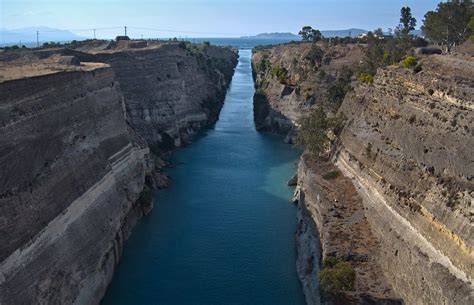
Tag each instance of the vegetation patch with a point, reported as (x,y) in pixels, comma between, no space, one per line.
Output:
(410,62)
(280,73)
(336,277)
(366,78)
(332,175)
(313,132)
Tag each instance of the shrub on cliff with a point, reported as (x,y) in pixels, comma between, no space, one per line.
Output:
(280,73)
(263,65)
(315,55)
(336,277)
(338,89)
(366,78)
(409,62)
(313,132)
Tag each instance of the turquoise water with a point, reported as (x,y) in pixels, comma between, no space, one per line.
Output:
(223,232)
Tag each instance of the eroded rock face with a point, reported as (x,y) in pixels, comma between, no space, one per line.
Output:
(407,146)
(71,175)
(332,224)
(280,102)
(170,91)
(75,161)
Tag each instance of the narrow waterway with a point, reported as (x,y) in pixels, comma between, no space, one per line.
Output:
(223,233)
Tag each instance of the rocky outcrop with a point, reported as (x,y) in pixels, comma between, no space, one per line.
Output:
(406,148)
(76,163)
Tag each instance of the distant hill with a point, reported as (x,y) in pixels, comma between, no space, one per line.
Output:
(28,35)
(289,36)
(276,36)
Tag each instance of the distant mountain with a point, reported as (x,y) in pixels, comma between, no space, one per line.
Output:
(343,33)
(289,36)
(28,35)
(276,36)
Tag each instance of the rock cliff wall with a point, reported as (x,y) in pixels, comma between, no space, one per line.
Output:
(407,148)
(75,161)
(293,78)
(173,90)
(408,145)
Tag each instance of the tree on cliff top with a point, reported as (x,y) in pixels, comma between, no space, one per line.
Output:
(308,34)
(449,24)
(407,23)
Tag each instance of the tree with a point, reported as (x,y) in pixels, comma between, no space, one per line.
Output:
(378,33)
(308,34)
(449,24)
(407,23)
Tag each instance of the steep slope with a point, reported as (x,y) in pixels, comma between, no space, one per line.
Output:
(75,174)
(407,149)
(172,90)
(293,78)
(408,144)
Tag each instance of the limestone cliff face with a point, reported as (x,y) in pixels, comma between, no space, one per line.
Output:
(74,168)
(171,91)
(71,176)
(408,145)
(407,148)
(280,101)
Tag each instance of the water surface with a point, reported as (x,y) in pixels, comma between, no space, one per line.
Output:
(223,233)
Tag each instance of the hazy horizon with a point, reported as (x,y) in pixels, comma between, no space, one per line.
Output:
(207,18)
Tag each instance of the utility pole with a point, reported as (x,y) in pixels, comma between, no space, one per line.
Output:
(125,28)
(94,34)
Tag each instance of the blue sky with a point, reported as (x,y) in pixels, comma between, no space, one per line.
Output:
(207,18)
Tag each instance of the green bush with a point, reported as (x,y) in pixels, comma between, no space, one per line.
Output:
(313,132)
(366,78)
(331,175)
(409,62)
(336,277)
(280,73)
(315,55)
(263,65)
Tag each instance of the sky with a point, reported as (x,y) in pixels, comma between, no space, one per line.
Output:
(206,18)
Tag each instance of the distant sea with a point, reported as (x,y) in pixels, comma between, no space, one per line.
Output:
(241,43)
